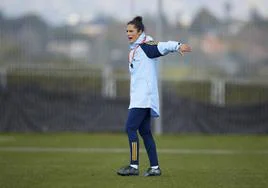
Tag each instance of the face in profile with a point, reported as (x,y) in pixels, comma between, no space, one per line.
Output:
(132,33)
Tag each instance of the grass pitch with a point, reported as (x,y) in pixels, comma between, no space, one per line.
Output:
(68,160)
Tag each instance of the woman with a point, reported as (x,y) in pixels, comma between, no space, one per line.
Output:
(144,100)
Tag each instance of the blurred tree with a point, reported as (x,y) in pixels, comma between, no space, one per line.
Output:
(27,36)
(203,22)
(255,15)
(32,35)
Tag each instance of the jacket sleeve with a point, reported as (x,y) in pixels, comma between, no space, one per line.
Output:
(166,47)
(150,49)
(156,49)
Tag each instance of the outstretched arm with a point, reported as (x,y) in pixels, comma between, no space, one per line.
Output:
(173,46)
(167,47)
(156,49)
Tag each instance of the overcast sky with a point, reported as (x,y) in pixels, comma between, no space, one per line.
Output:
(58,11)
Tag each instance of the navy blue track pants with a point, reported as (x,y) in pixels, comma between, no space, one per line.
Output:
(139,119)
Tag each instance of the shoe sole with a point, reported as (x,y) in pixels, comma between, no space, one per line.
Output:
(127,174)
(152,175)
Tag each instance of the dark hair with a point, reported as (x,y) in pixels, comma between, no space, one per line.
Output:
(137,22)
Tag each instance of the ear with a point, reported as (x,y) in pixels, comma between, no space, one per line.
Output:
(140,32)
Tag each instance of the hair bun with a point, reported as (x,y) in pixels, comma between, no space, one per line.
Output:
(138,19)
(137,22)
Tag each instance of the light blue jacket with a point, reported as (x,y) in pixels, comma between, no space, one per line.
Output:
(143,70)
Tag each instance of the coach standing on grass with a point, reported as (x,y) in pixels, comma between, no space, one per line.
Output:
(144,99)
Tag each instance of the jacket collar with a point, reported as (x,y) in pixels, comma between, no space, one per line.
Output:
(138,41)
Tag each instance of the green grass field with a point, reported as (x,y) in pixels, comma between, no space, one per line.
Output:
(70,160)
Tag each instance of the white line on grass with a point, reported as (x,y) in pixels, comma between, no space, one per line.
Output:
(125,150)
(7,138)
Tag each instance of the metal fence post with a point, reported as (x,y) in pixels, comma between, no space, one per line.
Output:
(217,92)
(3,78)
(159,30)
(109,83)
